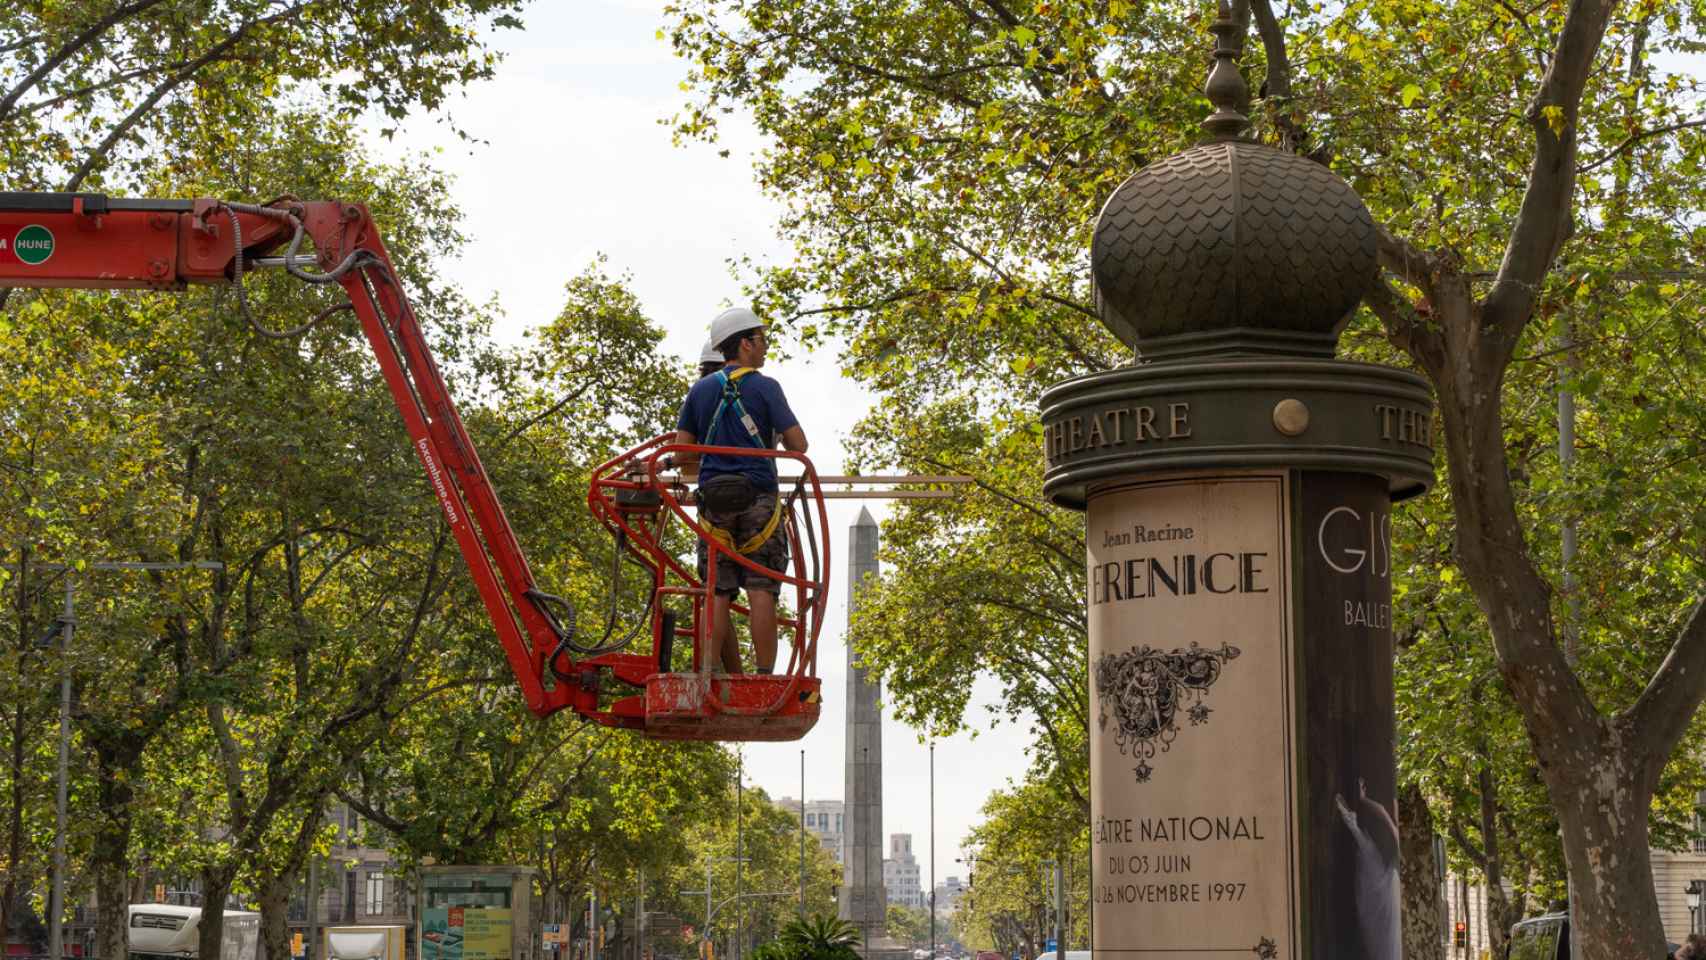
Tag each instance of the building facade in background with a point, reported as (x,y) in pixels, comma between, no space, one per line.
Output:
(825,820)
(358,883)
(900,872)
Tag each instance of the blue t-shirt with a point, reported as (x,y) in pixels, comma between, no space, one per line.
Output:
(762,397)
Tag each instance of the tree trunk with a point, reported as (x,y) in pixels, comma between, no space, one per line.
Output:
(1600,773)
(111,856)
(1502,910)
(112,903)
(275,917)
(15,828)
(1418,874)
(15,833)
(215,887)
(1603,814)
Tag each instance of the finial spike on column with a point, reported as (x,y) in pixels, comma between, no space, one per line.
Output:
(1226,89)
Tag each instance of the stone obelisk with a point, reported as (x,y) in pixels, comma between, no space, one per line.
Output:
(864,902)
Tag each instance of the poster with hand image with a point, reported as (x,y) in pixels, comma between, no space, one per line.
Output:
(1350,821)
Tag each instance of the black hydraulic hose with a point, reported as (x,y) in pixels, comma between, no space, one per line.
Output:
(356,258)
(566,642)
(543,601)
(615,595)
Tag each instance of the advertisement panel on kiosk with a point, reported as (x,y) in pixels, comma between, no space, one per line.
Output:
(477,913)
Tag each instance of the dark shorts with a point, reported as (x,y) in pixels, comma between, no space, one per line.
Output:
(743,526)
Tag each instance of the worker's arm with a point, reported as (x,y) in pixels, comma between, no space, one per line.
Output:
(794,439)
(687,461)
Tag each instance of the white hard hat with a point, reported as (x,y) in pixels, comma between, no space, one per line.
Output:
(710,354)
(732,321)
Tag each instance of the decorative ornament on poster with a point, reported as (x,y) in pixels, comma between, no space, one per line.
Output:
(1146,687)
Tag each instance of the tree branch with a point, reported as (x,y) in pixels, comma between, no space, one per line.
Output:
(1405,327)
(68,50)
(36,106)
(230,756)
(1277,85)
(166,86)
(1630,141)
(1659,716)
(568,398)
(1455,828)
(1545,219)
(391,824)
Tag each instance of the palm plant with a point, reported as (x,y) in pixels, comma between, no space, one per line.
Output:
(821,937)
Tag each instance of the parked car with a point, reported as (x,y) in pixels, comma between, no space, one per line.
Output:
(1546,938)
(1541,938)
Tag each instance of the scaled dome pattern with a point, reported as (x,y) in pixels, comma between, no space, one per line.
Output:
(1228,234)
(1231,235)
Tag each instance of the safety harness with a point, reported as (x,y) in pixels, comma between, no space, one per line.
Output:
(730,382)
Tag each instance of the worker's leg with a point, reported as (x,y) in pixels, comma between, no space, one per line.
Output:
(723,639)
(762,603)
(723,649)
(761,590)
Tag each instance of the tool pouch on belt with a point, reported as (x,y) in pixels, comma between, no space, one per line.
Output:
(727,493)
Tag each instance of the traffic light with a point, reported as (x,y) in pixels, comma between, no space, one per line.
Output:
(1460,934)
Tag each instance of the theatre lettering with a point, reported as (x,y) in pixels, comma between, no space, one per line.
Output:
(1117,427)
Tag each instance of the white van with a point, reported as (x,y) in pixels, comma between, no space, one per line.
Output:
(1070,955)
(165,930)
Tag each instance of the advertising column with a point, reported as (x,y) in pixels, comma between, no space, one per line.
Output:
(477,913)
(1237,480)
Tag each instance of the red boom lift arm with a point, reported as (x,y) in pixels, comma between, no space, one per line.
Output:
(93,241)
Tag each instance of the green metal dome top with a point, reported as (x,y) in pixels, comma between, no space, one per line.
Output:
(1231,246)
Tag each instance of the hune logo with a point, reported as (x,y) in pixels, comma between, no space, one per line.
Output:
(33,244)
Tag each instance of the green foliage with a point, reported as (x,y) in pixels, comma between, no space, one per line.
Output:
(1009,905)
(761,859)
(819,937)
(908,924)
(107,94)
(341,651)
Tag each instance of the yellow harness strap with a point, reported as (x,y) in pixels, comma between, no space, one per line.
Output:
(758,539)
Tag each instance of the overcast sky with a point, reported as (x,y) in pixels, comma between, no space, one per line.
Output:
(575,164)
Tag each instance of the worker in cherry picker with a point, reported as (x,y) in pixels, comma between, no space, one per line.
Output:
(737,406)
(710,360)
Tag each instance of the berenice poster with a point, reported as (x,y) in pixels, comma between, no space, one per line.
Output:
(1192,759)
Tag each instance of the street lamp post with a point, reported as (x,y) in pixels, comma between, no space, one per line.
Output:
(932,850)
(710,910)
(802,834)
(1691,894)
(56,901)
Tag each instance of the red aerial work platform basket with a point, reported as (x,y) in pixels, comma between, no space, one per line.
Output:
(636,497)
